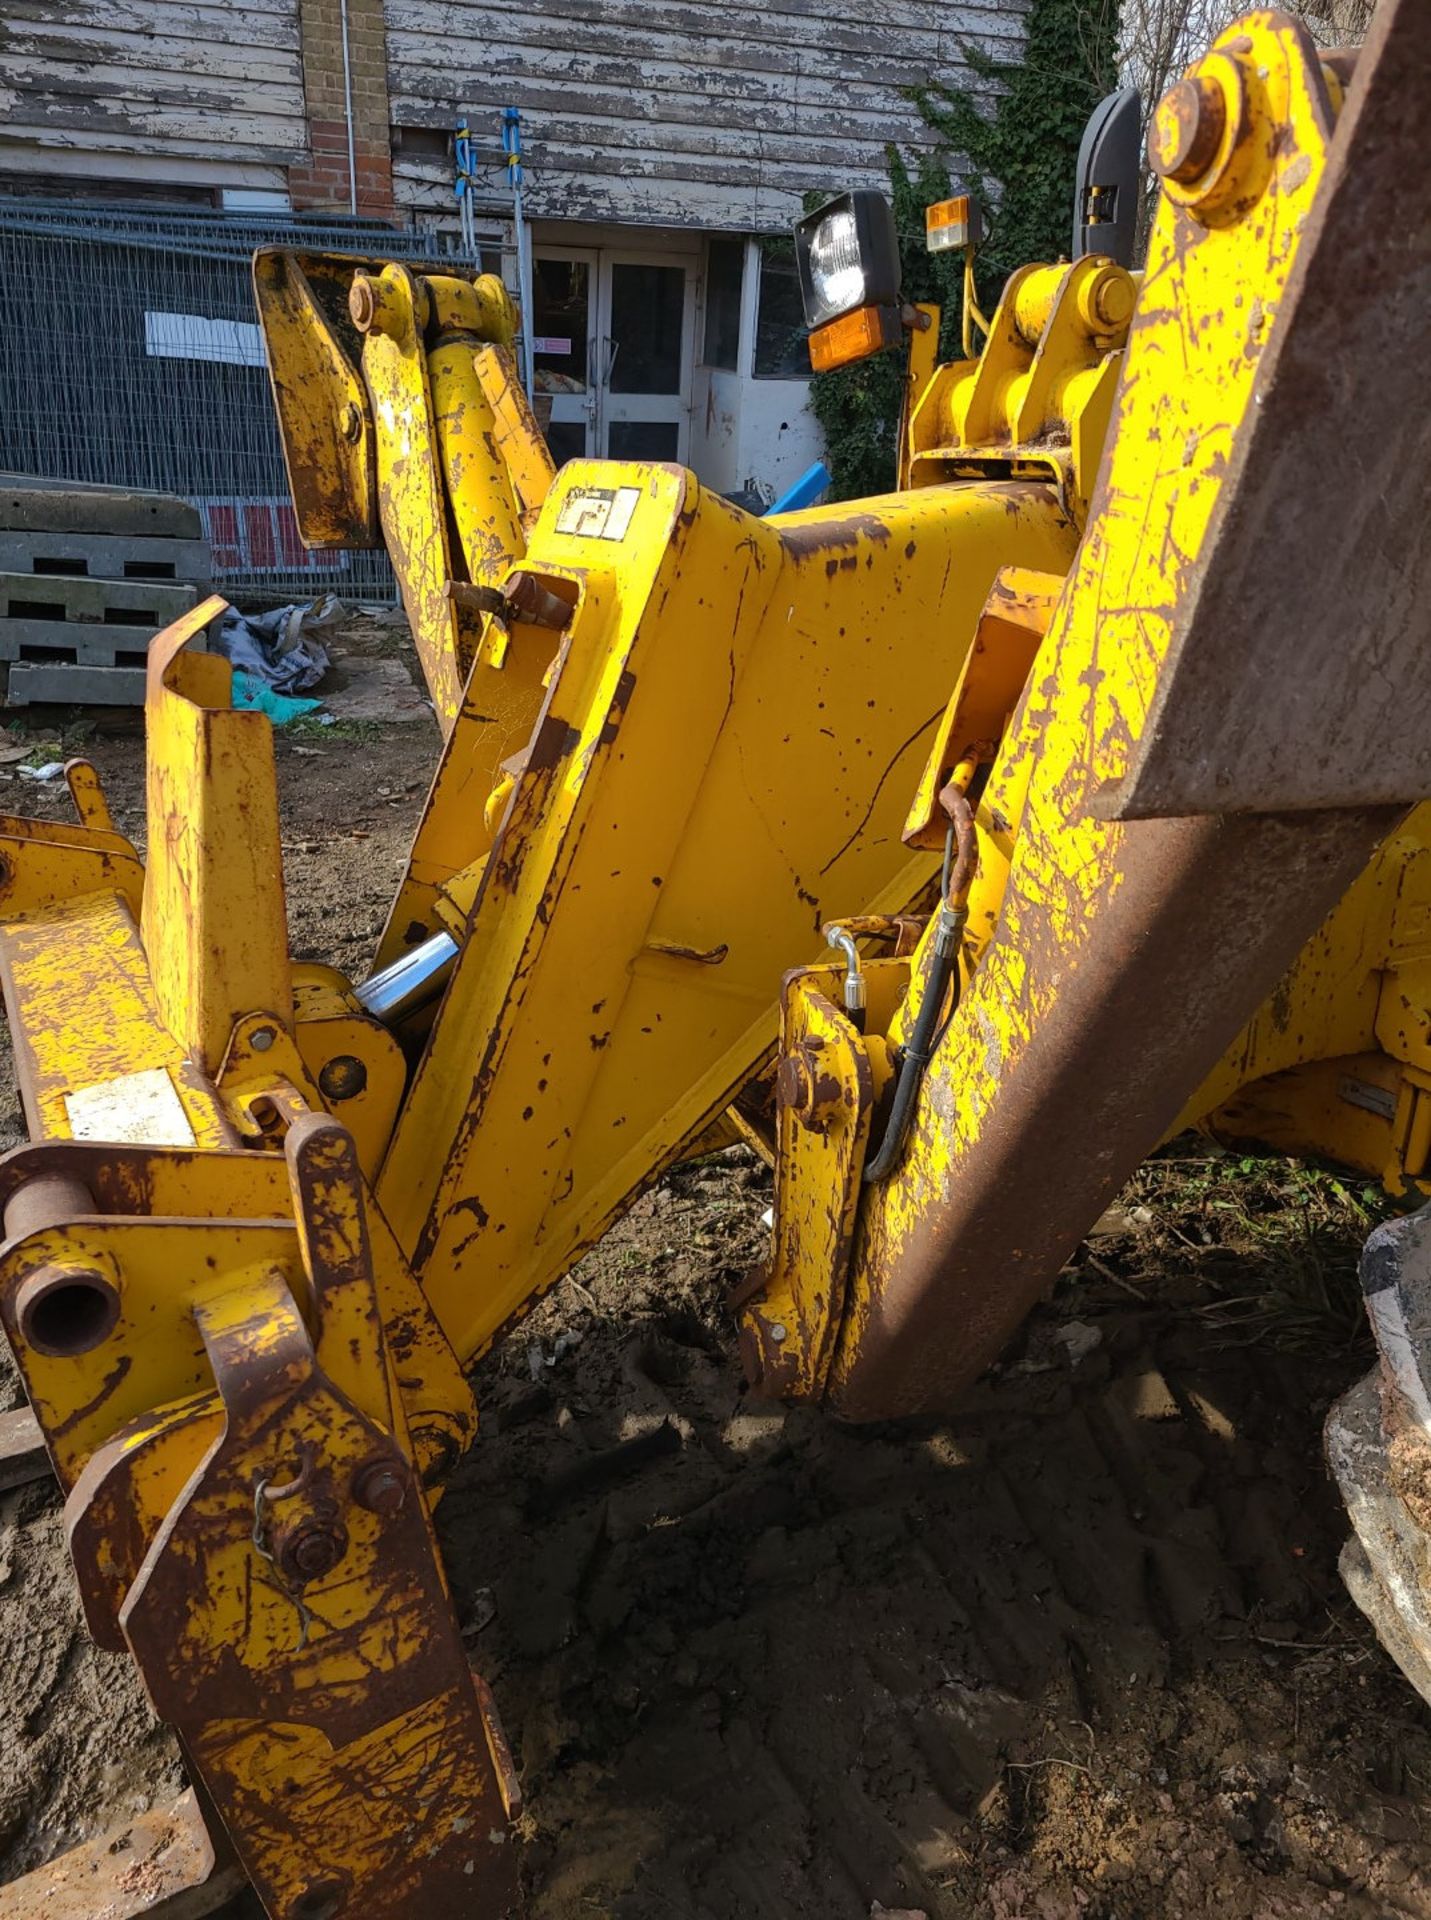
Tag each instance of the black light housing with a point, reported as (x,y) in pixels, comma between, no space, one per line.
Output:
(1110,171)
(847,256)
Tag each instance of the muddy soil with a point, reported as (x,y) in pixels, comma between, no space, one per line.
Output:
(1081,1651)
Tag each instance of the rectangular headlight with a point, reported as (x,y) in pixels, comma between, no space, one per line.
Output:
(847,255)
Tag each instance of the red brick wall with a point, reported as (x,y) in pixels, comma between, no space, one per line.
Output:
(322,183)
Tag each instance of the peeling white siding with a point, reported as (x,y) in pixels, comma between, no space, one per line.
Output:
(714,115)
(211,88)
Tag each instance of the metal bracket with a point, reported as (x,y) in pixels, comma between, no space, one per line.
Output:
(261,1542)
(790,1311)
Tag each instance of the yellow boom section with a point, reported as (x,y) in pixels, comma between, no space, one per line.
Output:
(267,1214)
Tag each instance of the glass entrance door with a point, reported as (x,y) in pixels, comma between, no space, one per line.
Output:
(645,355)
(564,338)
(612,345)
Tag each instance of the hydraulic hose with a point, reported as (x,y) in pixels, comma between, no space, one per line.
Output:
(960,849)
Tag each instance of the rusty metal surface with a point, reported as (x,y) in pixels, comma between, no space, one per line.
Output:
(1317,592)
(1123,959)
(123,1178)
(1095,1088)
(44,1202)
(324,419)
(158,1866)
(265,1551)
(290,1616)
(825,1091)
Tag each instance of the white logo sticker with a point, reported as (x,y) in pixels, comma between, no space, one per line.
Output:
(598,513)
(141,1108)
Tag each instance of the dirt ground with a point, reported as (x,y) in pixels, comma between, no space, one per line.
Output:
(1081,1651)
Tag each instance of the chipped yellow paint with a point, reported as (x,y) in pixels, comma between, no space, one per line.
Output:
(640,820)
(45,863)
(155,1354)
(1095,675)
(439,461)
(1039,396)
(520,441)
(826,1092)
(84,1012)
(260,1372)
(500,708)
(479,482)
(120,1500)
(409,471)
(1048,865)
(310,1688)
(324,419)
(671,807)
(331,1030)
(214,928)
(1331,1064)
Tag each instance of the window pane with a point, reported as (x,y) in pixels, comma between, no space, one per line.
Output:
(643,440)
(647,309)
(781,352)
(725,272)
(561,294)
(567,440)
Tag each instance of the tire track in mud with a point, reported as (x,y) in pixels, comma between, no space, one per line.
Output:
(1080,1650)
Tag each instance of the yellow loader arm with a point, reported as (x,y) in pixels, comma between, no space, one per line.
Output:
(1183,793)
(267,1215)
(404,424)
(1161,821)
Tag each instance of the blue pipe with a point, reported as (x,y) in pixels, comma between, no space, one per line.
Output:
(804,493)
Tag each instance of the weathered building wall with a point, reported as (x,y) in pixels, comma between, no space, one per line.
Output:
(351,166)
(204,92)
(719,114)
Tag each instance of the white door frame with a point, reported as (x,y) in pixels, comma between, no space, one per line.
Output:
(676,407)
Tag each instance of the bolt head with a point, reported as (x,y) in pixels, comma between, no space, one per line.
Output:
(1187,129)
(1113,301)
(381,1487)
(342,1077)
(793,1087)
(362,302)
(352,422)
(778,1333)
(312,1551)
(261,1039)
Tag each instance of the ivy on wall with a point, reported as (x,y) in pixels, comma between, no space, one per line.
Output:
(1019,162)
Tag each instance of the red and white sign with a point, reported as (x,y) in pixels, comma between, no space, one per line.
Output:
(261,536)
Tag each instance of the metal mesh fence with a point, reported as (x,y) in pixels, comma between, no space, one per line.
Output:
(130,355)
